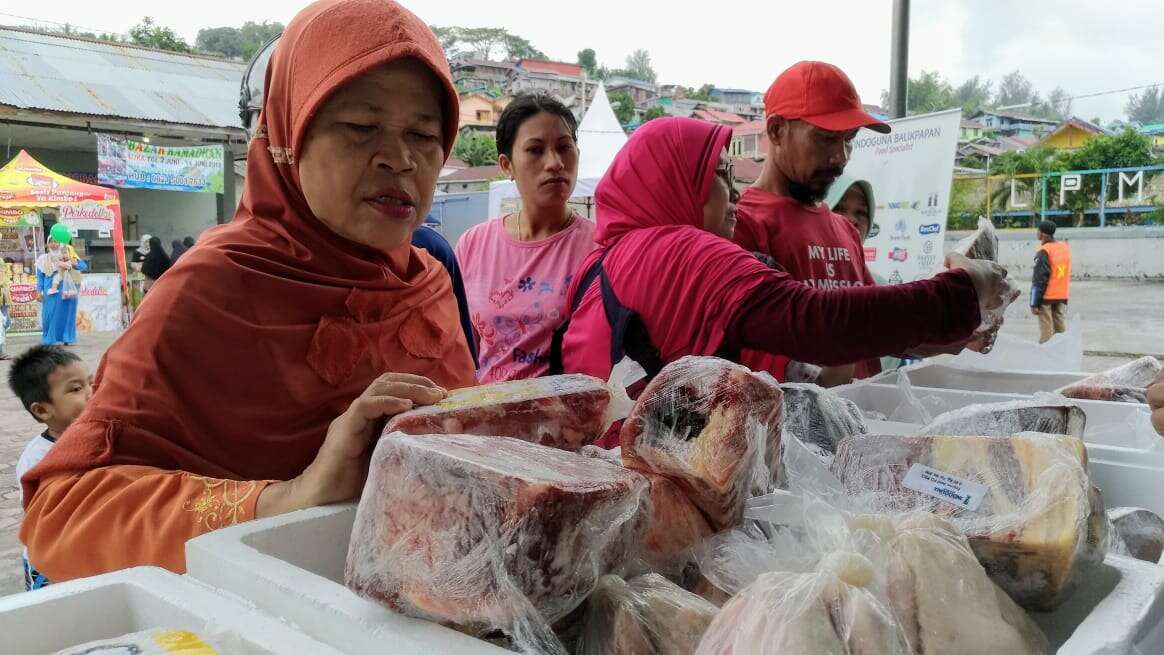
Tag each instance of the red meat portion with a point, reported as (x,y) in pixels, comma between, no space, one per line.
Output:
(562,411)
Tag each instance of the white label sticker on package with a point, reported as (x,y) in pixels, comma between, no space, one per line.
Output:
(966,494)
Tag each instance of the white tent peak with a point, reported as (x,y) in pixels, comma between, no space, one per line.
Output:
(600,137)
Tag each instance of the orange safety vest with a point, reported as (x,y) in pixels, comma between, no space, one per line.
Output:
(1059,256)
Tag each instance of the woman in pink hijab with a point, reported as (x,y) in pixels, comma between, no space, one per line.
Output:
(667,281)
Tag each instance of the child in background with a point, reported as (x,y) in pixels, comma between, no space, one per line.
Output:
(5,307)
(54,385)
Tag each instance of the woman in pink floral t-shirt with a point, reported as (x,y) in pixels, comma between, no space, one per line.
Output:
(517,267)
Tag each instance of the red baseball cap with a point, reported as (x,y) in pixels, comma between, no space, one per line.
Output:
(819,94)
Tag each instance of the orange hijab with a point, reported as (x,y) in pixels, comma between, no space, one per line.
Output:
(240,358)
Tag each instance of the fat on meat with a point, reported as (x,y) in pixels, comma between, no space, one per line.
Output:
(491,533)
(1046,413)
(1125,384)
(713,428)
(561,411)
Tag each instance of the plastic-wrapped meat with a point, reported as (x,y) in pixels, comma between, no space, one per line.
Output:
(983,245)
(1042,414)
(1036,523)
(649,615)
(820,417)
(488,533)
(877,584)
(1125,384)
(1138,532)
(676,524)
(713,428)
(562,411)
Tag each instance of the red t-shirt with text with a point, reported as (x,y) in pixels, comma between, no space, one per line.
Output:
(815,245)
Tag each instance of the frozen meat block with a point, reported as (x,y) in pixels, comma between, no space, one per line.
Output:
(148,642)
(649,615)
(1035,522)
(490,533)
(1137,531)
(1125,384)
(561,411)
(1042,414)
(820,417)
(983,245)
(713,428)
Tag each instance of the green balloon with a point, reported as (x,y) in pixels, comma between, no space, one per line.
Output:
(60,234)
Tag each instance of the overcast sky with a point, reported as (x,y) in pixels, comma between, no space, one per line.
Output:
(1082,45)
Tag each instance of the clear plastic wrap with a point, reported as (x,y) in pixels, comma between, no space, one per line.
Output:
(1136,532)
(156,641)
(648,615)
(713,428)
(983,245)
(1024,501)
(819,418)
(491,533)
(1047,413)
(1125,384)
(561,411)
(840,583)
(676,524)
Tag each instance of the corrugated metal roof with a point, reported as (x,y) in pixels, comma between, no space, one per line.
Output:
(67,74)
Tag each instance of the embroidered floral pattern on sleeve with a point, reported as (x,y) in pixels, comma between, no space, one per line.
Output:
(221,502)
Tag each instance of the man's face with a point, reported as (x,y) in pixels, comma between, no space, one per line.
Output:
(810,158)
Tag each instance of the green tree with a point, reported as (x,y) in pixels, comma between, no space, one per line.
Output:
(973,95)
(483,41)
(926,93)
(225,41)
(448,37)
(255,35)
(702,94)
(623,105)
(1146,107)
(653,113)
(638,66)
(1015,89)
(519,48)
(149,34)
(476,148)
(588,60)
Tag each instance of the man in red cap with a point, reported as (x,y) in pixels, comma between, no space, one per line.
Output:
(813,113)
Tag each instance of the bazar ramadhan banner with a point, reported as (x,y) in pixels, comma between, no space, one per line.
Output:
(911,170)
(130,164)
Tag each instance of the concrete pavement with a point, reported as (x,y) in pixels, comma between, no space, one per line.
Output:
(1122,319)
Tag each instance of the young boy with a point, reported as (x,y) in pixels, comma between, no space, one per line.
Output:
(54,385)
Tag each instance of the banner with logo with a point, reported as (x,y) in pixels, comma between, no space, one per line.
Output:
(130,164)
(911,170)
(99,305)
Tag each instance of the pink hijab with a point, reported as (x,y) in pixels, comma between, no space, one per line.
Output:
(687,284)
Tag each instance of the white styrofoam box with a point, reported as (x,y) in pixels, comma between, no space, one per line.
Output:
(1119,610)
(292,566)
(115,604)
(937,373)
(1123,425)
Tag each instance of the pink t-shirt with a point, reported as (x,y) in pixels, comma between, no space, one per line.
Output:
(517,294)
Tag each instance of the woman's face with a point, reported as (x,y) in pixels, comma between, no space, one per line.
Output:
(544,162)
(719,212)
(855,207)
(373,153)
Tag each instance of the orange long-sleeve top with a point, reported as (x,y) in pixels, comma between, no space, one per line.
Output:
(153,511)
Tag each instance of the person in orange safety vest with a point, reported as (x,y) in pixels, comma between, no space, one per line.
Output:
(1051,287)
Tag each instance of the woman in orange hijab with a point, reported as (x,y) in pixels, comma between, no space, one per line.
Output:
(309,318)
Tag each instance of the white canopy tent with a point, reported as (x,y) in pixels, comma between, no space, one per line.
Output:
(600,137)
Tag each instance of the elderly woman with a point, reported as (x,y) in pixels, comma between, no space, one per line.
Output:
(674,284)
(517,267)
(310,316)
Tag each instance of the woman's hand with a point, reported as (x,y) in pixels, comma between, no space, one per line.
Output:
(988,278)
(338,472)
(1156,403)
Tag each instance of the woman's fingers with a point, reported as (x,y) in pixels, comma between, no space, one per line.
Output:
(371,408)
(417,393)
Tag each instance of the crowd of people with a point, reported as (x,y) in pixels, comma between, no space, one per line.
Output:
(319,311)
